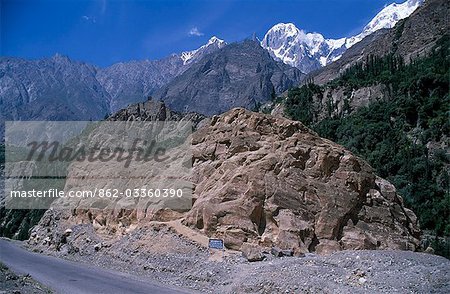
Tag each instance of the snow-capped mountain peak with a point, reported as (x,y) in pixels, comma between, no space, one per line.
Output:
(287,43)
(213,43)
(215,40)
(290,33)
(386,19)
(287,29)
(391,14)
(310,51)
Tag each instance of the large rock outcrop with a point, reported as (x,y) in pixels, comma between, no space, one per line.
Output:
(273,181)
(261,180)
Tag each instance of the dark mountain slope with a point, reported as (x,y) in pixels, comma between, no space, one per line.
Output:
(56,88)
(131,82)
(241,74)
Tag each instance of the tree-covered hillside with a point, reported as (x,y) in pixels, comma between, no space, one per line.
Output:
(405,138)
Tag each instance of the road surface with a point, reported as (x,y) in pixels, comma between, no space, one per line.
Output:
(64,276)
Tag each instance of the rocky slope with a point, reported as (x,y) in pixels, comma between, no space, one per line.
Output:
(263,182)
(273,182)
(14,283)
(162,253)
(16,223)
(152,110)
(410,38)
(238,75)
(366,109)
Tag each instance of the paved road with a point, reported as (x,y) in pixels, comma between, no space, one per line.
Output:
(70,277)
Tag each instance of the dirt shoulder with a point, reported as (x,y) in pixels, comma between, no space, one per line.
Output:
(19,284)
(170,254)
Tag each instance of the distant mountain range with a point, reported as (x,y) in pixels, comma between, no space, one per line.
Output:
(55,88)
(239,75)
(209,80)
(131,82)
(310,51)
(59,88)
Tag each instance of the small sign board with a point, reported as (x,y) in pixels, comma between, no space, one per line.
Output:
(216,244)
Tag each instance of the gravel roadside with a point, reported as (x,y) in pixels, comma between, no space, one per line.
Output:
(160,253)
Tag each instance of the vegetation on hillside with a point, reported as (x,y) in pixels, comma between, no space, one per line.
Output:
(16,223)
(403,138)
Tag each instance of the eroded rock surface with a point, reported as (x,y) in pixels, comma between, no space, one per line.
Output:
(271,181)
(266,181)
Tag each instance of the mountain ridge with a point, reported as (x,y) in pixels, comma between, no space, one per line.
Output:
(59,88)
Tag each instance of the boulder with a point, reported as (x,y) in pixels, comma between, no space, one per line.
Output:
(326,247)
(429,250)
(278,252)
(252,252)
(98,246)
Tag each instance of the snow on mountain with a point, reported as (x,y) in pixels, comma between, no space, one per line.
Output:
(306,51)
(386,19)
(213,44)
(310,51)
(293,46)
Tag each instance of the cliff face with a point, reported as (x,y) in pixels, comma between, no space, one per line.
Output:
(269,182)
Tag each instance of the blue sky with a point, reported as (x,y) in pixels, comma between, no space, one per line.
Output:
(103,32)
